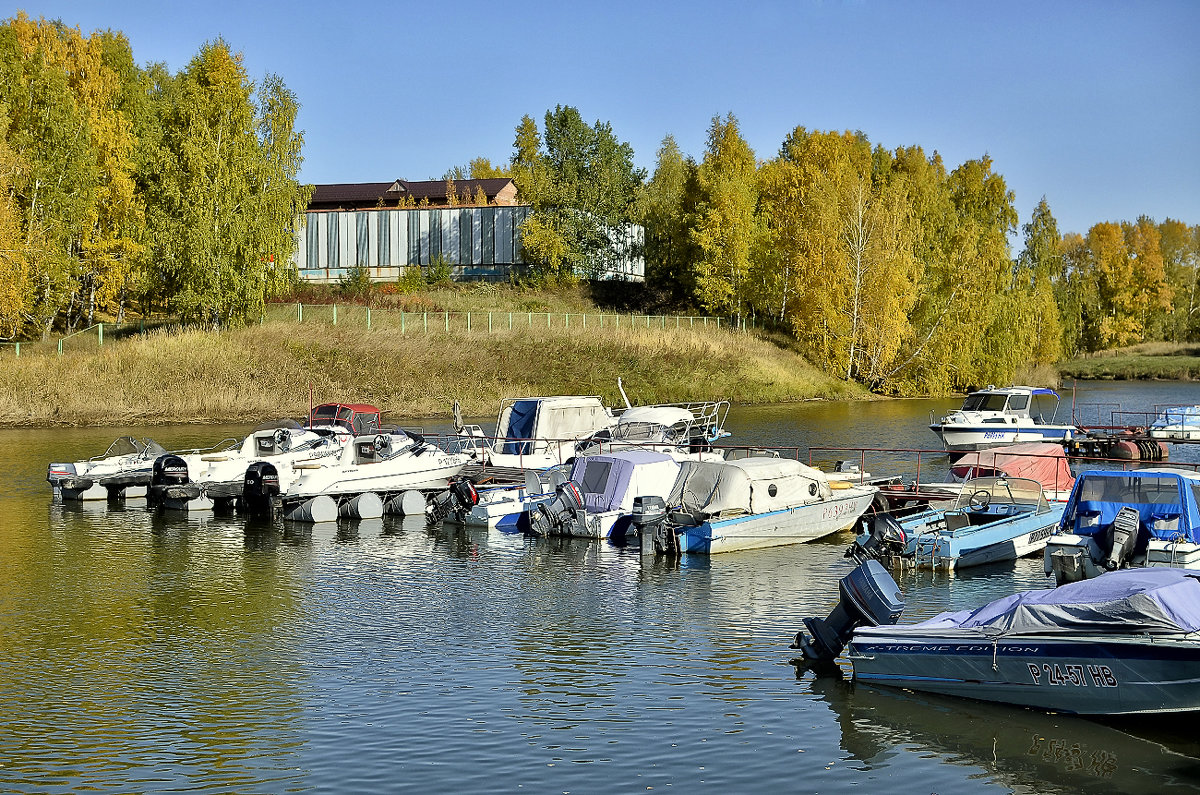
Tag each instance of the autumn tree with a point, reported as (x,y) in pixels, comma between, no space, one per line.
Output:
(665,205)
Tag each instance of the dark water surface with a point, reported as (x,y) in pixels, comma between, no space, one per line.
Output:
(147,654)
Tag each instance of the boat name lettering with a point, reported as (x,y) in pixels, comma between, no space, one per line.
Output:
(1039,535)
(993,434)
(1072,674)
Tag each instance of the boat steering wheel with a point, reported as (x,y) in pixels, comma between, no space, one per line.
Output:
(980,500)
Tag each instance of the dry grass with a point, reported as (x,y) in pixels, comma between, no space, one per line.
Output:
(265,371)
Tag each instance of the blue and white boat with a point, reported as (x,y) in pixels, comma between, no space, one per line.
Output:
(1122,518)
(993,519)
(1177,423)
(1127,642)
(749,503)
(1000,416)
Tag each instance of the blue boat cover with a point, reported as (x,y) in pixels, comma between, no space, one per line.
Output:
(1167,502)
(520,428)
(1125,602)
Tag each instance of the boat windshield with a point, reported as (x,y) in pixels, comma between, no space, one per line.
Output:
(1130,489)
(1002,491)
(984,401)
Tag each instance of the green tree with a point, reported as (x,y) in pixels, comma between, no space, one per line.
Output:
(665,204)
(726,227)
(1181,261)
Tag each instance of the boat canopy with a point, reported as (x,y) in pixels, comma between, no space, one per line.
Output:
(610,482)
(747,485)
(1167,502)
(552,418)
(1127,602)
(1044,462)
(1178,416)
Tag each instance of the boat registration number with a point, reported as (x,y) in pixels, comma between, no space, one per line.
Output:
(1074,675)
(995,434)
(838,509)
(1039,535)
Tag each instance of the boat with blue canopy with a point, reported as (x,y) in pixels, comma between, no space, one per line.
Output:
(1122,518)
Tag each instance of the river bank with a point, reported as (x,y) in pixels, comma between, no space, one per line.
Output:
(266,371)
(1150,361)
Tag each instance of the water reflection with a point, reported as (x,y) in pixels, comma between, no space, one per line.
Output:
(1017,748)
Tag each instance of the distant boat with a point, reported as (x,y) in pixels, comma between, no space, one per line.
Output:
(1001,416)
(1126,642)
(1179,423)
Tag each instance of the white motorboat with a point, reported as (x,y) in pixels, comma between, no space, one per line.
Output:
(1177,423)
(597,500)
(1001,416)
(366,474)
(748,503)
(1126,642)
(539,432)
(123,470)
(1119,519)
(216,477)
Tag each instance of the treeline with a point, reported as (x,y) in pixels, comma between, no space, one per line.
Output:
(890,269)
(123,186)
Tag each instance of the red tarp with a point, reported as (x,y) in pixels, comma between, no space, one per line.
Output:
(1040,461)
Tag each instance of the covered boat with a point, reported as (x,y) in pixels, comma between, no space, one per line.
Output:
(999,416)
(750,503)
(1179,423)
(540,432)
(1116,519)
(994,519)
(1125,642)
(1044,462)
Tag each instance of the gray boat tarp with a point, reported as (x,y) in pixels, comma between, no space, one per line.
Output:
(1154,601)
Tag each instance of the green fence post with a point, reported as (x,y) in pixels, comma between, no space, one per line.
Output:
(335,314)
(510,321)
(531,320)
(368,318)
(706,321)
(60,348)
(100,335)
(547,320)
(447,322)
(718,322)
(299,312)
(402,313)
(489,322)
(18,350)
(567,320)
(425,320)
(468,322)
(585,320)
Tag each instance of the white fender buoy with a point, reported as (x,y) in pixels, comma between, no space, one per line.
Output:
(410,503)
(314,511)
(364,506)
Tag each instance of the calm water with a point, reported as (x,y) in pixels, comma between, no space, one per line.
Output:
(143,654)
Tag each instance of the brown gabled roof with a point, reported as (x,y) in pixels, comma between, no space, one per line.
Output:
(368,194)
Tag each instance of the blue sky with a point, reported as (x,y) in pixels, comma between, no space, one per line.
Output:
(1094,105)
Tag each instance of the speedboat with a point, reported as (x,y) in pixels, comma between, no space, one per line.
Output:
(749,503)
(1123,643)
(216,477)
(597,500)
(366,474)
(538,432)
(1000,416)
(1118,519)
(994,519)
(682,430)
(123,470)
(1178,423)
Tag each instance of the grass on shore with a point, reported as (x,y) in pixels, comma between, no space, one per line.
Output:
(1166,361)
(263,372)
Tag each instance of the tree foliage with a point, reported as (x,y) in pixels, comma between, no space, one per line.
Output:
(126,183)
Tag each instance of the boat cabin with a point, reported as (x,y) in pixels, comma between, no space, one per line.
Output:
(1010,404)
(529,425)
(358,419)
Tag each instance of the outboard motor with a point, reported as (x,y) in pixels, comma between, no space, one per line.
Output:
(459,497)
(869,596)
(554,516)
(260,490)
(170,473)
(881,538)
(649,518)
(1123,533)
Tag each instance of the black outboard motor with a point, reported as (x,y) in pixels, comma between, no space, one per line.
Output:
(869,596)
(169,472)
(459,497)
(881,538)
(260,490)
(553,516)
(649,517)
(1123,534)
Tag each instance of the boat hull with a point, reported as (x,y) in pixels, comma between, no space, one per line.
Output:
(1107,676)
(1003,541)
(963,438)
(779,528)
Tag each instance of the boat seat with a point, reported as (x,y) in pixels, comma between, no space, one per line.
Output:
(956,520)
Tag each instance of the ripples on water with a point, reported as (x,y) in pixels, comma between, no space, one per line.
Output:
(143,653)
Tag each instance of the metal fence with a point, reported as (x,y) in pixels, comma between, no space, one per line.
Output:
(480,322)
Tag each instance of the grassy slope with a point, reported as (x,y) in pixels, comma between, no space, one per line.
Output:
(1152,360)
(265,371)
